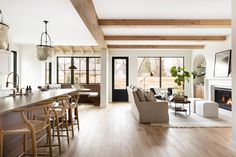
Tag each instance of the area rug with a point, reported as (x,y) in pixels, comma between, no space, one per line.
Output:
(196,121)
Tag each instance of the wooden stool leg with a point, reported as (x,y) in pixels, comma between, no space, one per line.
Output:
(58,134)
(67,130)
(49,140)
(34,144)
(25,144)
(53,127)
(1,144)
(77,116)
(71,122)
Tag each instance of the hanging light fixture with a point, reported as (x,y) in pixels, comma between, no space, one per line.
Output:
(3,33)
(72,67)
(45,49)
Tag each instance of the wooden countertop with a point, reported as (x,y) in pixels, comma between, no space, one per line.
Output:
(9,103)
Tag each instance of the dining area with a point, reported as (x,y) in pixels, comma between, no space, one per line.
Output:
(37,124)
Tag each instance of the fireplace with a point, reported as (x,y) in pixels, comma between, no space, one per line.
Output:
(223,98)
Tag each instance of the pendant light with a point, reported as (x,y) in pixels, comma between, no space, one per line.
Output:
(4,43)
(72,67)
(45,49)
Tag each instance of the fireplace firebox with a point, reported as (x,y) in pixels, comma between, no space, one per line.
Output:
(223,96)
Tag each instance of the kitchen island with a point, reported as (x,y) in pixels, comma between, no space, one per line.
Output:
(9,119)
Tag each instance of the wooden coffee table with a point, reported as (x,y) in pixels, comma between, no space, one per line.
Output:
(174,107)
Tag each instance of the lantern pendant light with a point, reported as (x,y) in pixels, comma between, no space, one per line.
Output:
(4,43)
(45,49)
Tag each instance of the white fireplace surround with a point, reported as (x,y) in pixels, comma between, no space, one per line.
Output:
(211,83)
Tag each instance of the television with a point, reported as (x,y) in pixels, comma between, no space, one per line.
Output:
(222,64)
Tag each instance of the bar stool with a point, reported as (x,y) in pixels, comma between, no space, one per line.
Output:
(59,117)
(31,127)
(73,105)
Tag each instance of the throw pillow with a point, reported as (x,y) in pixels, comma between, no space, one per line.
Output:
(150,97)
(141,95)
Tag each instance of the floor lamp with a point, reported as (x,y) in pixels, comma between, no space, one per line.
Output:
(144,79)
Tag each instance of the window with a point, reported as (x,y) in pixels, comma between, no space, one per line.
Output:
(160,69)
(146,66)
(120,73)
(81,71)
(166,79)
(94,70)
(14,66)
(63,71)
(88,70)
(48,73)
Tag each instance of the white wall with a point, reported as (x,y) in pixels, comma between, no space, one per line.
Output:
(134,54)
(32,71)
(209,53)
(6,63)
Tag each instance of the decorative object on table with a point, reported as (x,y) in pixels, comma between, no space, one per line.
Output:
(144,79)
(77,86)
(222,61)
(177,98)
(4,43)
(28,90)
(45,49)
(181,75)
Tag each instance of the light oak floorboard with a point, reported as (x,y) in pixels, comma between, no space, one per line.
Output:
(113,132)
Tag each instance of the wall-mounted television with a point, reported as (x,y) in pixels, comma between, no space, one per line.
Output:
(222,64)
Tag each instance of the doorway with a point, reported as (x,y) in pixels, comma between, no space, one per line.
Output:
(120,78)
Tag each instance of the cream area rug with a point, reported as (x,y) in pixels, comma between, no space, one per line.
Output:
(196,121)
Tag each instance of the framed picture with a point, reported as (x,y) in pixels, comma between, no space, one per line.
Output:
(222,64)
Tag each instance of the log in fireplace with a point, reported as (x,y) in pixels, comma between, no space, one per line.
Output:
(223,96)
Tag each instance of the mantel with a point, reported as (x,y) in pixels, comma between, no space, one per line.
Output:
(212,82)
(218,78)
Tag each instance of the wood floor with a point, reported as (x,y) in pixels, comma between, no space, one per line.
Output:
(113,132)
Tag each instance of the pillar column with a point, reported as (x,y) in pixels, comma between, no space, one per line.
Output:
(104,78)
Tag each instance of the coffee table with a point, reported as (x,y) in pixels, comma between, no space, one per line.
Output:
(174,107)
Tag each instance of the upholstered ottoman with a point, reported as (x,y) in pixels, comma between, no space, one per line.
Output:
(193,103)
(208,109)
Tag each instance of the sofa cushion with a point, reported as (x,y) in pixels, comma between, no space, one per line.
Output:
(150,97)
(141,95)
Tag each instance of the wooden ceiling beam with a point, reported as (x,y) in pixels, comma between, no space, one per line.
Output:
(184,38)
(166,22)
(86,10)
(156,46)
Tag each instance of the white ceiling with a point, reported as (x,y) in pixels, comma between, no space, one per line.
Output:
(25,18)
(163,9)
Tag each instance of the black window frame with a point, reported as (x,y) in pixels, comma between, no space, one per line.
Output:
(48,67)
(14,58)
(160,57)
(72,70)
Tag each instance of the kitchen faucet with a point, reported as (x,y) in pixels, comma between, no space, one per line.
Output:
(15,84)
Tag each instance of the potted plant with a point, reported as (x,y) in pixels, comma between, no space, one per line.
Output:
(181,75)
